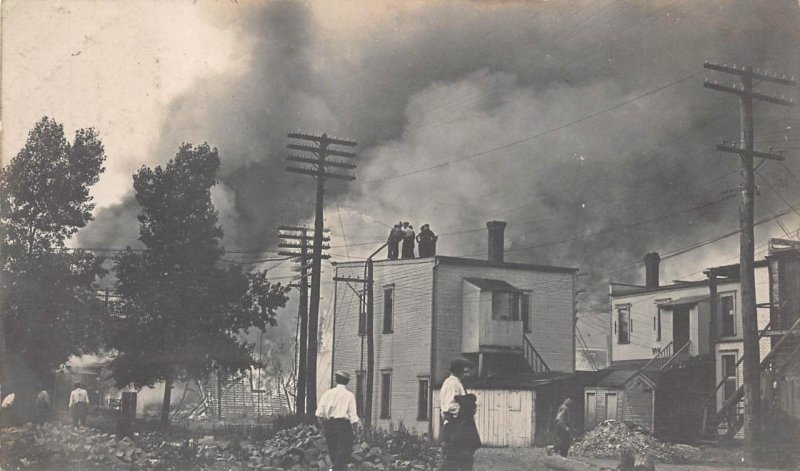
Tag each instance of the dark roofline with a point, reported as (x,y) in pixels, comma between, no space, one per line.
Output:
(656,289)
(734,268)
(512,265)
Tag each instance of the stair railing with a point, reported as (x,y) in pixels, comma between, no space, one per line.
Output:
(533,358)
(673,357)
(659,359)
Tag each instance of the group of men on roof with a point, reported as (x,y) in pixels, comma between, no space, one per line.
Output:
(404,232)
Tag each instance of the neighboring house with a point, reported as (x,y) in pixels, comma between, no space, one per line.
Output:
(513,320)
(247,397)
(686,337)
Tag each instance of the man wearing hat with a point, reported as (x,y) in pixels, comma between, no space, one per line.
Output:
(338,416)
(453,420)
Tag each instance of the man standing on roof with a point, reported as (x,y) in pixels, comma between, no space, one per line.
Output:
(338,417)
(563,425)
(395,235)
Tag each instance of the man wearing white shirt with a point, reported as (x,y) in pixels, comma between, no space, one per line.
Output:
(452,387)
(338,416)
(79,404)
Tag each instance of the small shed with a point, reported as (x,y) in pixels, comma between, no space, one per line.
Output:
(626,395)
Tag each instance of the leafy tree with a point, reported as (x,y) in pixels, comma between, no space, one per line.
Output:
(48,307)
(181,311)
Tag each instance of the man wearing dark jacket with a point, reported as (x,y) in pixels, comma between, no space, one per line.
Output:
(563,423)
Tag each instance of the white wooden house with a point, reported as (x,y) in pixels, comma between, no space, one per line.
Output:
(508,318)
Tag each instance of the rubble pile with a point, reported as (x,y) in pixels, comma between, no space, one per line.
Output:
(32,445)
(300,448)
(611,437)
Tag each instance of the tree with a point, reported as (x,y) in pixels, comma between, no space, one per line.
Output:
(48,307)
(180,311)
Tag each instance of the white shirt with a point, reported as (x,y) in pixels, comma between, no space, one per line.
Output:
(451,388)
(8,401)
(338,403)
(78,395)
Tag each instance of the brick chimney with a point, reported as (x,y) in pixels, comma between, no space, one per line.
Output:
(651,262)
(496,240)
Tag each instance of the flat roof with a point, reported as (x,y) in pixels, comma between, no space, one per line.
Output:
(636,291)
(493,285)
(471,262)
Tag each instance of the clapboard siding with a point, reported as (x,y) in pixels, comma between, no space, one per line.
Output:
(504,417)
(551,306)
(239,401)
(638,405)
(406,351)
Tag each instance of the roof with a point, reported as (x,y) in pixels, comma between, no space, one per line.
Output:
(493,285)
(471,262)
(619,378)
(733,270)
(686,300)
(512,265)
(527,381)
(630,291)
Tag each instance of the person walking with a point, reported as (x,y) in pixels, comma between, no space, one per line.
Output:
(338,417)
(563,426)
(8,410)
(43,407)
(79,404)
(395,236)
(408,241)
(426,241)
(453,445)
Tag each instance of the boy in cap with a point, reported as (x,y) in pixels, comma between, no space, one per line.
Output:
(338,416)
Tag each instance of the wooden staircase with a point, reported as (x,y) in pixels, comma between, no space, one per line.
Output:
(665,359)
(533,358)
(726,422)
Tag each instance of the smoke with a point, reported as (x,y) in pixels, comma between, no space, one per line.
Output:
(471,100)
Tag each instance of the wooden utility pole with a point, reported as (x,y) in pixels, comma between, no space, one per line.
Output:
(318,166)
(297,239)
(368,300)
(751,362)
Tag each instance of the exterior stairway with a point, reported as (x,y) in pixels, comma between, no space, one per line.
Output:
(726,422)
(533,358)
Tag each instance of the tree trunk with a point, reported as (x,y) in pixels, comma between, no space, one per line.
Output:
(165,404)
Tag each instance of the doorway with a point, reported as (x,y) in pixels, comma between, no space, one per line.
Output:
(680,327)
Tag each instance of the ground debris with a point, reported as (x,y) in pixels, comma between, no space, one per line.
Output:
(611,437)
(300,448)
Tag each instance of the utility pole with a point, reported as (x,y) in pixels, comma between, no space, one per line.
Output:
(297,240)
(367,299)
(753,425)
(318,165)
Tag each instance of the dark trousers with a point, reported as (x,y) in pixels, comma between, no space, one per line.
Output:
(339,436)
(408,248)
(564,440)
(457,460)
(42,412)
(79,412)
(394,249)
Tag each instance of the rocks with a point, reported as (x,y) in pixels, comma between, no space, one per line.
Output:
(612,439)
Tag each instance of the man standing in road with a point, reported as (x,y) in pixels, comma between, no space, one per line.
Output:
(453,457)
(338,417)
(79,404)
(563,423)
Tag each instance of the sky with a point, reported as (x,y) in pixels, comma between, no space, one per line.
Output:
(583,124)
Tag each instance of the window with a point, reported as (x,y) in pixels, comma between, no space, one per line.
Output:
(422,399)
(727,313)
(386,395)
(657,321)
(505,306)
(360,375)
(362,319)
(624,323)
(525,308)
(729,375)
(388,310)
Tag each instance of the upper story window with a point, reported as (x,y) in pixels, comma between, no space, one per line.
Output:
(727,310)
(660,308)
(623,324)
(388,309)
(505,306)
(525,312)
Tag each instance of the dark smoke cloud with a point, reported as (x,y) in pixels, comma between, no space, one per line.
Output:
(422,86)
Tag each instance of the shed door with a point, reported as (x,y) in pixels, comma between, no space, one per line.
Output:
(591,409)
(611,406)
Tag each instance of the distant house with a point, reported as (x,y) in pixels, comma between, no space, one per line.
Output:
(682,344)
(513,320)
